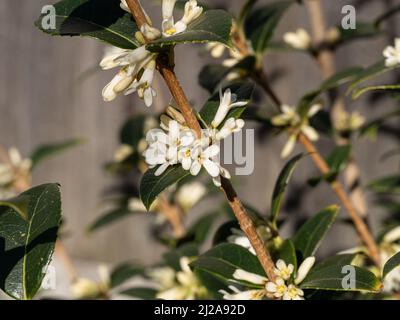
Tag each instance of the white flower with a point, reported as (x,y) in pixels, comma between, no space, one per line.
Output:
(216,49)
(205,158)
(227,102)
(164,277)
(230,126)
(14,168)
(277,289)
(236,294)
(124,6)
(83,288)
(290,118)
(304,269)
(392,54)
(191,13)
(190,194)
(143,85)
(282,270)
(185,287)
(293,293)
(300,39)
(164,148)
(238,237)
(349,121)
(150,32)
(253,278)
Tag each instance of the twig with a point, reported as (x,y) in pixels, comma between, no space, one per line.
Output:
(360,226)
(248,227)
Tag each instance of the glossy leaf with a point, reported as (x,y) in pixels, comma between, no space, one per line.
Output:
(26,246)
(110,217)
(123,273)
(151,185)
(100,19)
(280,187)
(19,204)
(360,91)
(262,22)
(309,237)
(243,91)
(331,275)
(211,26)
(391,264)
(222,261)
(45,151)
(212,75)
(140,293)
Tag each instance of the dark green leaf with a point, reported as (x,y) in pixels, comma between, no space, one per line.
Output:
(172,258)
(389,184)
(222,261)
(123,273)
(243,91)
(262,22)
(213,75)
(100,19)
(45,151)
(109,218)
(26,246)
(211,26)
(331,275)
(309,237)
(19,204)
(391,264)
(151,185)
(140,293)
(280,187)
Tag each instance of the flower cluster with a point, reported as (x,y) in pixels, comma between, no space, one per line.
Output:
(290,118)
(177,285)
(300,39)
(15,173)
(177,144)
(392,54)
(138,66)
(349,122)
(285,287)
(83,288)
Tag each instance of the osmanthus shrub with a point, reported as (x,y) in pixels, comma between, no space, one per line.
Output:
(177,155)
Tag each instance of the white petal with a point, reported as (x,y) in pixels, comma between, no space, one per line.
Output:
(211,151)
(314,110)
(195,169)
(289,146)
(310,132)
(211,167)
(240,274)
(304,269)
(168,8)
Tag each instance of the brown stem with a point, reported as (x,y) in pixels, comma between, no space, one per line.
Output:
(359,223)
(326,61)
(248,227)
(173,216)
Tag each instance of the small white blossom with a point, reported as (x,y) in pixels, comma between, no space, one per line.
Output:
(227,102)
(290,118)
(205,157)
(300,39)
(13,169)
(238,237)
(83,288)
(236,294)
(293,293)
(282,270)
(304,269)
(392,54)
(243,275)
(190,194)
(183,286)
(192,12)
(349,121)
(216,49)
(277,289)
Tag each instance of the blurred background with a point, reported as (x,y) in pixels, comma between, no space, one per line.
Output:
(50,90)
